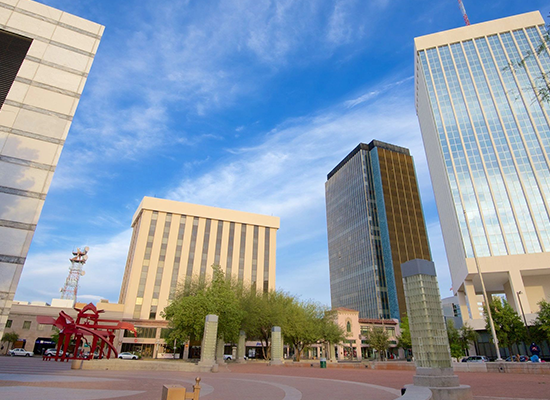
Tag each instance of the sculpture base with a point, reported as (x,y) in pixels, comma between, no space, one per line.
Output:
(443,383)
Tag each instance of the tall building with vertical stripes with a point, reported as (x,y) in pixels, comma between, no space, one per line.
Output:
(174,241)
(45,58)
(374,224)
(487,138)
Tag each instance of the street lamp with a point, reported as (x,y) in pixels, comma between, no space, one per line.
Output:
(487,304)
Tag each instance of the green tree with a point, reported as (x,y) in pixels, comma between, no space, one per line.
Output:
(541,329)
(378,339)
(196,299)
(468,336)
(303,326)
(455,342)
(509,328)
(263,311)
(404,339)
(331,333)
(10,338)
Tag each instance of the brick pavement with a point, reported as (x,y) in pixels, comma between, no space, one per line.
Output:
(34,379)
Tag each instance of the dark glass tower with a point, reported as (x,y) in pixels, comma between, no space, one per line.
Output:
(375,223)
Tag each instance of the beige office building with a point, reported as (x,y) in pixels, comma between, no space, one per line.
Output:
(487,141)
(45,57)
(174,241)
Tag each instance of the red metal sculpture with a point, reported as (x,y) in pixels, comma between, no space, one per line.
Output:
(87,324)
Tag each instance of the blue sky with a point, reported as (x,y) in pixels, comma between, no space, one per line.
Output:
(236,104)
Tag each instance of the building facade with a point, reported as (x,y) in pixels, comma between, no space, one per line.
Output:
(487,139)
(173,242)
(45,57)
(38,337)
(374,224)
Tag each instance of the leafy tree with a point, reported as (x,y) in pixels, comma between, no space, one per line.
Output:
(196,299)
(303,327)
(404,339)
(542,323)
(468,336)
(263,311)
(331,332)
(508,326)
(455,342)
(378,339)
(11,338)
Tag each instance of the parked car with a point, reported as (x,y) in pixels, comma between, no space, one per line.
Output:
(20,352)
(227,357)
(127,356)
(53,352)
(475,359)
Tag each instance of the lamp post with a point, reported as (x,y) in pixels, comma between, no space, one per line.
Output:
(486,298)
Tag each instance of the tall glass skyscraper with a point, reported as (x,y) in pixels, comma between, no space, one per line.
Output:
(374,223)
(487,140)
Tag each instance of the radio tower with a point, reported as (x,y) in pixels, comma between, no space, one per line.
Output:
(463,10)
(76,270)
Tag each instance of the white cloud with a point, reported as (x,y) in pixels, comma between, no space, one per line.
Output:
(283,176)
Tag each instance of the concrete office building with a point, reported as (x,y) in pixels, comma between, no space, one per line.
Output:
(45,58)
(174,241)
(374,223)
(487,141)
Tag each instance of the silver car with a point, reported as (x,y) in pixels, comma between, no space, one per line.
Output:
(20,352)
(127,356)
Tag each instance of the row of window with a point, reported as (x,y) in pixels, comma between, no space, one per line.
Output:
(27,325)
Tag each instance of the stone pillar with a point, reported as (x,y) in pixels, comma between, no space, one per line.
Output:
(331,353)
(276,346)
(429,334)
(241,347)
(208,344)
(220,346)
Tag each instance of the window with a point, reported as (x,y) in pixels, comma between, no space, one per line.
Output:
(348,326)
(40,327)
(13,49)
(27,325)
(8,323)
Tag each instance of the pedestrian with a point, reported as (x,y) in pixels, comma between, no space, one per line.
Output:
(535,349)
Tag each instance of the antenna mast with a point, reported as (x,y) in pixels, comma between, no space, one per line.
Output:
(76,270)
(463,10)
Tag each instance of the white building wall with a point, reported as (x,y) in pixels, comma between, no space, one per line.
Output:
(34,121)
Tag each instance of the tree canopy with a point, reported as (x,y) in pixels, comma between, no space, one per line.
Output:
(509,328)
(378,339)
(240,308)
(542,323)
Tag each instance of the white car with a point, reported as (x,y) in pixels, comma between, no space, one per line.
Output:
(227,357)
(20,352)
(127,356)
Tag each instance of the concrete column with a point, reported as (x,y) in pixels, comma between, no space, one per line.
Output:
(276,346)
(220,345)
(241,347)
(472,299)
(208,344)
(429,334)
(516,285)
(331,352)
(463,305)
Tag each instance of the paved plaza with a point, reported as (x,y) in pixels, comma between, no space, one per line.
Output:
(34,379)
